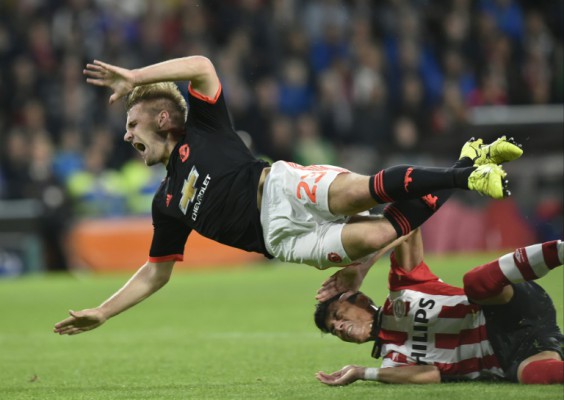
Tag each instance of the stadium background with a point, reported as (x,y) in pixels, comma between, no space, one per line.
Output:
(362,84)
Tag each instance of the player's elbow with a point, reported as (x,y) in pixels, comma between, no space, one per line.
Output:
(161,280)
(203,65)
(158,275)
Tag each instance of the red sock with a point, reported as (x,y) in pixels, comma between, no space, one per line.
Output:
(485,281)
(525,264)
(543,372)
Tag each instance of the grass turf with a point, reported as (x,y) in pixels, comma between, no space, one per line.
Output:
(243,333)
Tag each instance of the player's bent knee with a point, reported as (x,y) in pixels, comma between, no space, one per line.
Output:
(473,287)
(480,285)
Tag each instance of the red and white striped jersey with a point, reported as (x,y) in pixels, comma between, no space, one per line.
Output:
(426,321)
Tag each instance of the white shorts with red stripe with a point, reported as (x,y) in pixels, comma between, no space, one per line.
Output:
(297,223)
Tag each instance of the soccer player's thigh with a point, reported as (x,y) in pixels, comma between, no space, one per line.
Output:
(321,247)
(363,235)
(349,194)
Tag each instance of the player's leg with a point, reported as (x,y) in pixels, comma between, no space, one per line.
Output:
(363,236)
(525,336)
(406,215)
(545,367)
(490,283)
(352,193)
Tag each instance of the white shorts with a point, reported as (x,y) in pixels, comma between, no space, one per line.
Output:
(297,224)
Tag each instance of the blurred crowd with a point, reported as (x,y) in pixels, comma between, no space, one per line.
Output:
(352,82)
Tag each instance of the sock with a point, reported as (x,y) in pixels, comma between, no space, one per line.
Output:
(525,264)
(407,215)
(543,372)
(404,182)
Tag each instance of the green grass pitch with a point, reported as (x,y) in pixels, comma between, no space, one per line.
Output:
(243,333)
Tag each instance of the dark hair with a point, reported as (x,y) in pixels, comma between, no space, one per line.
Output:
(321,309)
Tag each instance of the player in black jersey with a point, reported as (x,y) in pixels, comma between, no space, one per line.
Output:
(214,185)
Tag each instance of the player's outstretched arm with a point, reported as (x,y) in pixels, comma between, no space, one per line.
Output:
(198,70)
(418,374)
(146,281)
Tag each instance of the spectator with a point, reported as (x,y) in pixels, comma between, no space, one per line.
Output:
(27,169)
(281,139)
(140,184)
(68,158)
(333,108)
(97,191)
(507,15)
(491,92)
(14,164)
(456,70)
(57,214)
(262,110)
(295,91)
(311,148)
(450,116)
(357,67)
(371,111)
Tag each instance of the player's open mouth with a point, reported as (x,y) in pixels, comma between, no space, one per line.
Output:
(139,147)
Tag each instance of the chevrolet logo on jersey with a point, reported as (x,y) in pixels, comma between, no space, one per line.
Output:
(189,190)
(200,197)
(190,193)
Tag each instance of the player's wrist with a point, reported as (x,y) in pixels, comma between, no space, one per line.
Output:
(371,374)
(104,312)
(135,78)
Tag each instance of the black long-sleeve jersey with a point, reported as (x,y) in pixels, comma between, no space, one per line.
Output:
(211,186)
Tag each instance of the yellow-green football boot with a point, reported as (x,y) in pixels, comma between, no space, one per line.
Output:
(472,149)
(489,180)
(499,151)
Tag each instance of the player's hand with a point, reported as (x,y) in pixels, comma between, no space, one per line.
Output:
(80,321)
(120,80)
(346,281)
(345,376)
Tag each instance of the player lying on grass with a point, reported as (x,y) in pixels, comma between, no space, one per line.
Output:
(501,325)
(215,186)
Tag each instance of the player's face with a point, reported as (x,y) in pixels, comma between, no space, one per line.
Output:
(142,133)
(350,322)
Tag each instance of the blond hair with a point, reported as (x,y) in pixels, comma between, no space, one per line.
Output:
(164,95)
